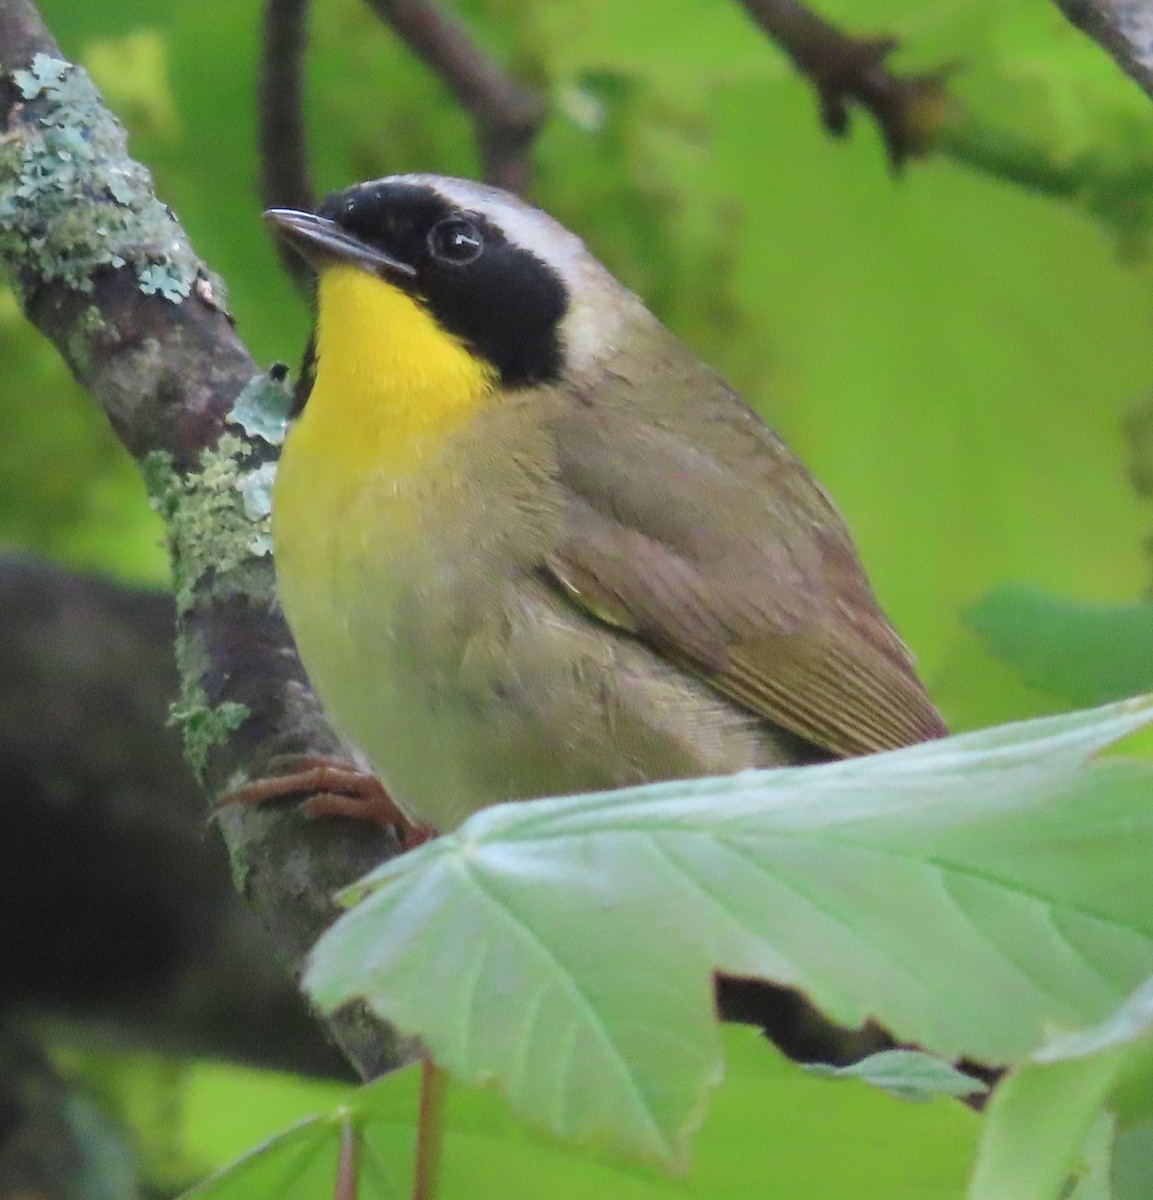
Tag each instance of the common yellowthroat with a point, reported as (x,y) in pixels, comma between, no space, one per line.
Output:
(529,545)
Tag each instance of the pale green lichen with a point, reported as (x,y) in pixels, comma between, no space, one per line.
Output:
(71,199)
(92,324)
(261,409)
(256,491)
(208,531)
(218,519)
(203,725)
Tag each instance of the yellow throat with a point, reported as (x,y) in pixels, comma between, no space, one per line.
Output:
(391,384)
(390,387)
(359,466)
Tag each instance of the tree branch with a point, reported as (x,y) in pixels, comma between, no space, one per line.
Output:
(844,69)
(285,179)
(106,272)
(506,113)
(1123,27)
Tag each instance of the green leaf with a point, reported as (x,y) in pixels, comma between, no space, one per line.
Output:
(766,1134)
(1040,1124)
(1130,1022)
(1094,1179)
(1084,653)
(298,1164)
(906,1074)
(1133,1163)
(580,934)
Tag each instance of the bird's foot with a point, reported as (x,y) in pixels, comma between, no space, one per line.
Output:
(332,787)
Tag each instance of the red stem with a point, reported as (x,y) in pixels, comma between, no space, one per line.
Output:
(348,1170)
(429,1130)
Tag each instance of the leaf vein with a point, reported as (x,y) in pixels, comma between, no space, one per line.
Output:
(835,918)
(569,980)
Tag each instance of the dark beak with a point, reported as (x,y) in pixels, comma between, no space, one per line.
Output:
(321,241)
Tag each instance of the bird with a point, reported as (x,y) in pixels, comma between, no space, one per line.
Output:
(529,545)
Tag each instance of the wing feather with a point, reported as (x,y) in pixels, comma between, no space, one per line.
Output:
(706,538)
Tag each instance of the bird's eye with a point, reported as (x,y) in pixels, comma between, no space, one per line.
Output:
(456,241)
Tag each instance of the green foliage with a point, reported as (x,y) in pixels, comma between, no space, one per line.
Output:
(538,1006)
(1133,1163)
(760,1130)
(67,487)
(1038,1126)
(1082,653)
(584,931)
(136,1091)
(907,1074)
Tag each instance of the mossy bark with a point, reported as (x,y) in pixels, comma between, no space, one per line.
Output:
(164,362)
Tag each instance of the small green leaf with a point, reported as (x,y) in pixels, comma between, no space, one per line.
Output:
(906,1074)
(564,948)
(1133,1163)
(1039,1127)
(1083,653)
(1131,1021)
(299,1164)
(765,1135)
(1094,1179)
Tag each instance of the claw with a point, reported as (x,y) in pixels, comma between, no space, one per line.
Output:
(332,787)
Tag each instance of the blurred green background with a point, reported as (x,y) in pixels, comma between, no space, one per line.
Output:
(953,351)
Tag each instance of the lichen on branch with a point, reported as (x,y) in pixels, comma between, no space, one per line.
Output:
(71,199)
(217,515)
(1124,28)
(220,542)
(107,273)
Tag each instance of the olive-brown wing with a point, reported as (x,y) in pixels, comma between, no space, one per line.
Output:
(706,538)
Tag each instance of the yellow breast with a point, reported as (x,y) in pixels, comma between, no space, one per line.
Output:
(357,482)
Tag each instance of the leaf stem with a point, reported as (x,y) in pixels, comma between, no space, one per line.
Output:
(429,1131)
(348,1169)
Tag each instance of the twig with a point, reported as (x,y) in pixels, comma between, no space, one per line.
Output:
(285,179)
(107,274)
(506,113)
(1123,27)
(844,69)
(348,1165)
(429,1130)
